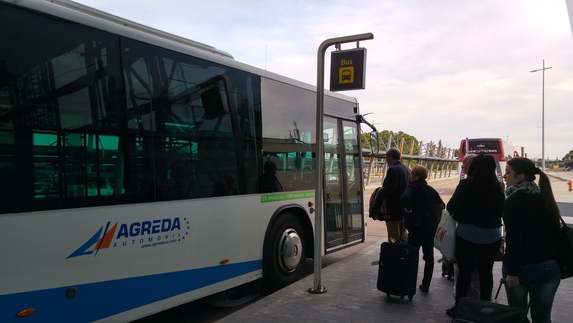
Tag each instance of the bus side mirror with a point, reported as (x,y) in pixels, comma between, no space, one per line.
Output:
(374,142)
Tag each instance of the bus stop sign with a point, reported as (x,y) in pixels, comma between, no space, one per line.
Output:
(347,69)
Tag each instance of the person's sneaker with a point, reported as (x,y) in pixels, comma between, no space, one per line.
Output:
(424,288)
(451,311)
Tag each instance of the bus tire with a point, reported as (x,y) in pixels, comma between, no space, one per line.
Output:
(284,252)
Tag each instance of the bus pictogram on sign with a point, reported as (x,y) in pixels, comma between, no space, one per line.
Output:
(346,75)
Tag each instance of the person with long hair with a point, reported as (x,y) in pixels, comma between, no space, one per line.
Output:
(531,219)
(477,206)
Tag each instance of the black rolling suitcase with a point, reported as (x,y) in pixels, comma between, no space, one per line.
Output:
(398,269)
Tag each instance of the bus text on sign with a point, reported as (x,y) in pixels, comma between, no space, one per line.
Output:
(347,70)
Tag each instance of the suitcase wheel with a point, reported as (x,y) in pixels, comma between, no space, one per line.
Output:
(410,297)
(387,294)
(401,297)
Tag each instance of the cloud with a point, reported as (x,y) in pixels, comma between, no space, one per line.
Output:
(438,70)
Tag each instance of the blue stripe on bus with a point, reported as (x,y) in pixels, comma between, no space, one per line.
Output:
(99,300)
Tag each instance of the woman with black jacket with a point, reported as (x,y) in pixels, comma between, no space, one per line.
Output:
(477,206)
(420,202)
(531,219)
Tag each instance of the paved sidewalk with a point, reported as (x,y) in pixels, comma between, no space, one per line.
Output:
(563,196)
(351,294)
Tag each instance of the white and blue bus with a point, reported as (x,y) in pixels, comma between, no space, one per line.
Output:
(130,162)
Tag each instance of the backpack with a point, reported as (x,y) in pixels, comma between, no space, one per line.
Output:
(377,205)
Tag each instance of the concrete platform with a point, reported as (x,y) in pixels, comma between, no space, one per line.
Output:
(351,294)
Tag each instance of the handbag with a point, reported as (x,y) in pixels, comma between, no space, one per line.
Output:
(565,250)
(445,238)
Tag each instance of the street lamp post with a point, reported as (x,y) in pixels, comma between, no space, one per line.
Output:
(542,113)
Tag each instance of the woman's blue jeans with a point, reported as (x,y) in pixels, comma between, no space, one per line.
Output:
(538,281)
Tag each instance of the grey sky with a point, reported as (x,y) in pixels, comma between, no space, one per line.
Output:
(442,69)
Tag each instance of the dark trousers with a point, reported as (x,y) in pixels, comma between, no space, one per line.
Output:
(469,256)
(421,239)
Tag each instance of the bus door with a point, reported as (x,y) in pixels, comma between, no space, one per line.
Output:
(343,220)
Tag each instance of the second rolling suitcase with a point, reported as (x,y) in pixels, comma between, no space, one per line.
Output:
(398,269)
(470,310)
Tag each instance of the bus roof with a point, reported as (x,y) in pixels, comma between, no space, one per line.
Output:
(95,18)
(472,139)
(120,22)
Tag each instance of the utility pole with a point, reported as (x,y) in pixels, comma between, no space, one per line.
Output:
(542,114)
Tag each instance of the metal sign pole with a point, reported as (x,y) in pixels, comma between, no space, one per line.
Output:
(319,194)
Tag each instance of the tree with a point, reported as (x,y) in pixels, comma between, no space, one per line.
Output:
(384,136)
(569,156)
(409,140)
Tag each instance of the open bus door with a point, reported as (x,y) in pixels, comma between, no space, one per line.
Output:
(344,184)
(344,220)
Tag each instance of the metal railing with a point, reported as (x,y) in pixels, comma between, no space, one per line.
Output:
(439,160)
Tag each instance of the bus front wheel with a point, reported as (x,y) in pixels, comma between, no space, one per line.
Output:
(284,253)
